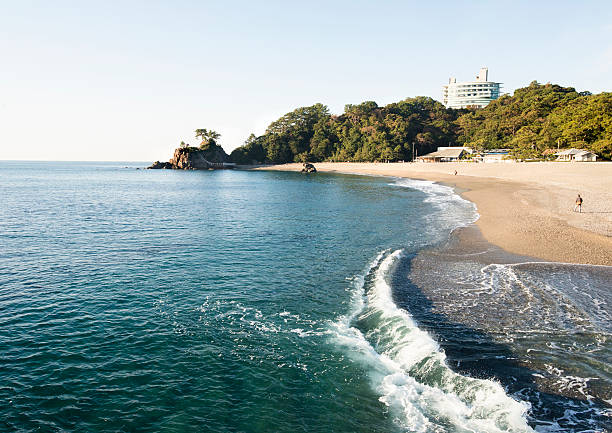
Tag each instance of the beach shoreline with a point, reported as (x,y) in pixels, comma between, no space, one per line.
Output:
(525,208)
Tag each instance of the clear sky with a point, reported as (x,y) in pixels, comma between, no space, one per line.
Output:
(128,80)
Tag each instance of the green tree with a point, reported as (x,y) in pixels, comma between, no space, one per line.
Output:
(252,152)
(209,138)
(535,118)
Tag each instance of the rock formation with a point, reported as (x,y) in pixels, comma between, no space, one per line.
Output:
(192,158)
(158,165)
(309,168)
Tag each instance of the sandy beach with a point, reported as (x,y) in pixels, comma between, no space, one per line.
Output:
(525,208)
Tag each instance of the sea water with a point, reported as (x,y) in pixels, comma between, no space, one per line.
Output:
(230,301)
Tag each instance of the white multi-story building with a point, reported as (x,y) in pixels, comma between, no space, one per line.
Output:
(471,94)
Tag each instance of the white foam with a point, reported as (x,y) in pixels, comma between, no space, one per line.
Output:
(236,315)
(451,210)
(408,369)
(307,333)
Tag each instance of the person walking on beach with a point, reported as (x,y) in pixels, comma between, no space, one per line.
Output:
(578,204)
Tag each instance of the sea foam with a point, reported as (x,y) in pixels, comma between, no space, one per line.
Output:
(451,210)
(408,369)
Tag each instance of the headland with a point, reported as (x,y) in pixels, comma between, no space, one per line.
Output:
(525,208)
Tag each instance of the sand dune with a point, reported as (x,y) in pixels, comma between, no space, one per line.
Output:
(525,208)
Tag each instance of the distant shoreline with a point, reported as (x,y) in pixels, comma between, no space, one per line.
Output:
(525,208)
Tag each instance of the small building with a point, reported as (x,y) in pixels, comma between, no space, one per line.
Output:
(493,155)
(445,154)
(576,155)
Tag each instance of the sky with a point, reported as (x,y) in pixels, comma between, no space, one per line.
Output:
(128,80)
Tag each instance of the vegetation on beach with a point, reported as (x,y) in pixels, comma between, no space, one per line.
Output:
(534,119)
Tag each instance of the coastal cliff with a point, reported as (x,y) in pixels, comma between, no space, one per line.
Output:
(192,158)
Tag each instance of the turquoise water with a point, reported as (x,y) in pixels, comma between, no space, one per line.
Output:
(226,301)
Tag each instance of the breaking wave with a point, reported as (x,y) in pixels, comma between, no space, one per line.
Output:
(408,369)
(451,211)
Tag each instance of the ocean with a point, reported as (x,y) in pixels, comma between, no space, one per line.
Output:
(234,301)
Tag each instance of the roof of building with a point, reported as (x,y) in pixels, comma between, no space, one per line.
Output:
(453,152)
(573,152)
(496,151)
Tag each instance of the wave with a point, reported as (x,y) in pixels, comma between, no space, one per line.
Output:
(451,211)
(408,369)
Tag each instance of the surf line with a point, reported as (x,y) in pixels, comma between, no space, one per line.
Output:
(408,369)
(586,265)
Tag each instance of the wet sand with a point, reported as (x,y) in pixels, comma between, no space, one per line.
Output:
(525,208)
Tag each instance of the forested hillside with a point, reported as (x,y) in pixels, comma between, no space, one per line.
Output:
(541,117)
(535,118)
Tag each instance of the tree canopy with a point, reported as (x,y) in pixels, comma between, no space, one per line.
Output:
(364,132)
(209,138)
(540,117)
(535,118)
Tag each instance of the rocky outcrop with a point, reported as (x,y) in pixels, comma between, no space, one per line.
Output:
(158,165)
(192,158)
(186,159)
(309,168)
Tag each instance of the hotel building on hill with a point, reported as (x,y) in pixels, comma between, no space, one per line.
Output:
(471,94)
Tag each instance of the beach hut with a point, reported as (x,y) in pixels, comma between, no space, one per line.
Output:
(576,155)
(493,155)
(445,154)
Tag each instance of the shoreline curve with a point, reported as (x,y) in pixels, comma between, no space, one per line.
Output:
(524,208)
